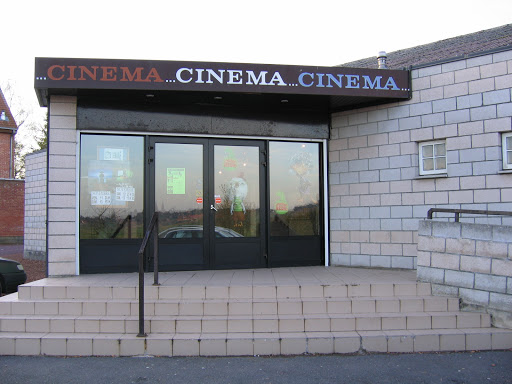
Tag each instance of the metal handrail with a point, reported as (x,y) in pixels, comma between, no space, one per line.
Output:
(457,212)
(121,226)
(152,228)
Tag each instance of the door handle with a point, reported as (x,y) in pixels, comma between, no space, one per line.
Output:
(213,208)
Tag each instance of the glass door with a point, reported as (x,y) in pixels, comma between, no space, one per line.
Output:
(178,179)
(210,199)
(237,204)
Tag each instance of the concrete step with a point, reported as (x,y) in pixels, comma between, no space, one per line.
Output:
(298,306)
(245,324)
(248,344)
(57,289)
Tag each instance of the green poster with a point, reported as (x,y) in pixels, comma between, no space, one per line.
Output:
(175,181)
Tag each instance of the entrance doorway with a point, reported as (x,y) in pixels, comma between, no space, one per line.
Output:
(210,197)
(222,203)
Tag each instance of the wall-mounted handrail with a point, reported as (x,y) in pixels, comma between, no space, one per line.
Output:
(127,219)
(152,229)
(457,212)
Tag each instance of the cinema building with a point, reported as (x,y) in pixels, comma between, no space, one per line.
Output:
(255,166)
(261,176)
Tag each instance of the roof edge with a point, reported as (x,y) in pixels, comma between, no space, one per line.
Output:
(462,57)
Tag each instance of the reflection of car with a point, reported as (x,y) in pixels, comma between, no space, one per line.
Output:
(195,232)
(12,274)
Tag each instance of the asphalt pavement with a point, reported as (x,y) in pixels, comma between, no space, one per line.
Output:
(453,368)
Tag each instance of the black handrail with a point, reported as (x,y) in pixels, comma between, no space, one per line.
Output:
(457,212)
(121,226)
(152,228)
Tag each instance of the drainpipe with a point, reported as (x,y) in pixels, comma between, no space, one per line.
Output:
(11,159)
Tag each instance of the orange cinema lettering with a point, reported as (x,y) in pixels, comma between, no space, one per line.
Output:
(56,72)
(103,73)
(109,74)
(91,73)
(138,76)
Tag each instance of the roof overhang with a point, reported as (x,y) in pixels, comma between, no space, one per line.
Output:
(334,88)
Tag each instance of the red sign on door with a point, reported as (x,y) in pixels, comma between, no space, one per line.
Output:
(199,200)
(218,200)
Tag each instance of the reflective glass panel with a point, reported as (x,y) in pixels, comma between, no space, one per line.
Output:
(440,150)
(441,163)
(294,189)
(237,191)
(427,151)
(428,164)
(179,190)
(111,187)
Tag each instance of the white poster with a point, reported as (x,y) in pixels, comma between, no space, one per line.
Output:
(116,154)
(125,193)
(101,198)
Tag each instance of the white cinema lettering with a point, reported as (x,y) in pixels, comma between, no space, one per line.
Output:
(234,77)
(328,80)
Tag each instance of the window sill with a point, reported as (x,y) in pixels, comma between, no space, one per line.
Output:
(505,171)
(432,176)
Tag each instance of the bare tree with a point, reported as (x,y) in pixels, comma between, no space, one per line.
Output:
(32,132)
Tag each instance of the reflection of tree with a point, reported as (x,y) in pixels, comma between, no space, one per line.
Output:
(301,221)
(103,222)
(175,218)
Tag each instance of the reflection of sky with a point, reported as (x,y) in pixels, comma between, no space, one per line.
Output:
(290,171)
(187,156)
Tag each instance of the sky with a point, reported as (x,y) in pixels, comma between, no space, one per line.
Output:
(295,32)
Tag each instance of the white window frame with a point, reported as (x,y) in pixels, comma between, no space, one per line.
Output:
(420,158)
(506,164)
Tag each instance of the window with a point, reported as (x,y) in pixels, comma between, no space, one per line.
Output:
(111,187)
(432,158)
(506,145)
(294,189)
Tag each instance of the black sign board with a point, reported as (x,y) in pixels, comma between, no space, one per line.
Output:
(68,73)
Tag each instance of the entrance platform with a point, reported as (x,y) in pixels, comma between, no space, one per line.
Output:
(281,311)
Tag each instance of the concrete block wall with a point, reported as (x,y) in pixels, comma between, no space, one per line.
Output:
(34,240)
(376,194)
(62,186)
(471,261)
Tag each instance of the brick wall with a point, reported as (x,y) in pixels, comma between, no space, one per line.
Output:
(11,210)
(62,186)
(472,261)
(376,194)
(34,240)
(6,154)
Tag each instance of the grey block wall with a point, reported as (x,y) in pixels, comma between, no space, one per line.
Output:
(62,157)
(376,195)
(34,241)
(471,261)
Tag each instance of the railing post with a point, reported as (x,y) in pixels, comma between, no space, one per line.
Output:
(155,251)
(141,295)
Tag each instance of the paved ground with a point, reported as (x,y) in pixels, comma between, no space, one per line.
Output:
(453,368)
